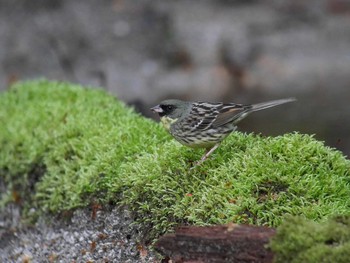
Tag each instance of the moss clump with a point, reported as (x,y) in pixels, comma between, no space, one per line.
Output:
(59,142)
(250,179)
(64,146)
(299,240)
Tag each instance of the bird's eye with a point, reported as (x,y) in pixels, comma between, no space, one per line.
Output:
(167,108)
(170,107)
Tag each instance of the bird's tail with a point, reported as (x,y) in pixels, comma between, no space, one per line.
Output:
(260,106)
(269,104)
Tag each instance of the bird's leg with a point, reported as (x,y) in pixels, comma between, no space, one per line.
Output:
(207,153)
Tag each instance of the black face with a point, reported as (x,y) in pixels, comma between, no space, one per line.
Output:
(167,109)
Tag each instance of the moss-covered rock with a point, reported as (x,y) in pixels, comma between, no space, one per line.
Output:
(250,179)
(59,142)
(301,240)
(64,146)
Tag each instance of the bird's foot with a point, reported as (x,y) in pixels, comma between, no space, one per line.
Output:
(205,156)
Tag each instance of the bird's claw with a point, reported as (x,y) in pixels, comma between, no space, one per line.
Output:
(196,164)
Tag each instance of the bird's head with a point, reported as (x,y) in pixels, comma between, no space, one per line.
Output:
(170,111)
(173,109)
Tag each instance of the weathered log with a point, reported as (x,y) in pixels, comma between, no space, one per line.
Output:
(225,243)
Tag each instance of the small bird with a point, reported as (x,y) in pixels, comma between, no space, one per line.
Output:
(205,124)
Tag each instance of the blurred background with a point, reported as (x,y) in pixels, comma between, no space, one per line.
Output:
(217,50)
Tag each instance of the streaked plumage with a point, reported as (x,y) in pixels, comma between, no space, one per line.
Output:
(205,124)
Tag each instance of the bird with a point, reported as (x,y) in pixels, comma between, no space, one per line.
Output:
(205,124)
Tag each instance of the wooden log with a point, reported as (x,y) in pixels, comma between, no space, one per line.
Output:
(224,243)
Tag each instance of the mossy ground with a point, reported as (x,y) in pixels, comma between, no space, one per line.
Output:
(65,146)
(300,240)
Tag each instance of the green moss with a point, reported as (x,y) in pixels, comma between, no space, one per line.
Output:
(77,136)
(64,146)
(250,179)
(299,240)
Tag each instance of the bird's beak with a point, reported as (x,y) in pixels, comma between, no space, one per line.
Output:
(157,109)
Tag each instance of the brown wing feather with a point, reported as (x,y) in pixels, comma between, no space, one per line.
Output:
(228,114)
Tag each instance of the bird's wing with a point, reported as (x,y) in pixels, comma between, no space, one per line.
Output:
(206,115)
(229,113)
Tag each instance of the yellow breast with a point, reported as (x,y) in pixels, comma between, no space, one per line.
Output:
(166,121)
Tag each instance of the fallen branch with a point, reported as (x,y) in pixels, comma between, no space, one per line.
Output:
(225,243)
